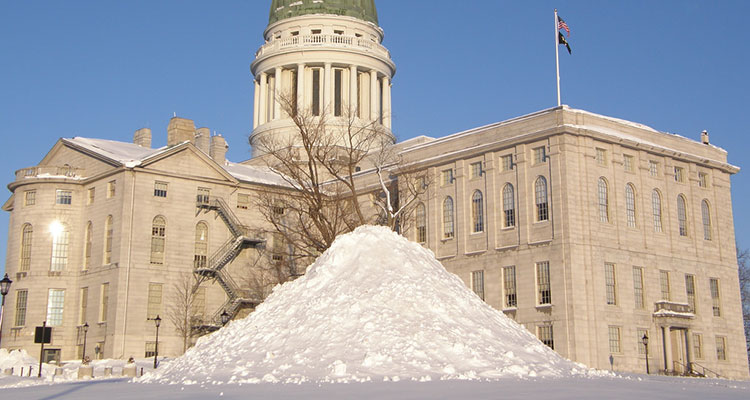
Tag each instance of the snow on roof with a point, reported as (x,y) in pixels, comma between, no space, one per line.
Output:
(374,306)
(255,174)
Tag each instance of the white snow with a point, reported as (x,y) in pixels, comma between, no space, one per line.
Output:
(255,174)
(373,307)
(127,154)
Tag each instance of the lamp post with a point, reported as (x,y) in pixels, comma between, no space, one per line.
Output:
(4,289)
(85,333)
(224,318)
(644,340)
(157,321)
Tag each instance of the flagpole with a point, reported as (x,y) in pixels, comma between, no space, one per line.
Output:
(557,58)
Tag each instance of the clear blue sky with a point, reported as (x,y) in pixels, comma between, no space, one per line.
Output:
(104,69)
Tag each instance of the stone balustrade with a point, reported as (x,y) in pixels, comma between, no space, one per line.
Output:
(50,172)
(323,40)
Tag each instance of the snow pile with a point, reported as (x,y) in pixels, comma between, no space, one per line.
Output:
(375,306)
(16,359)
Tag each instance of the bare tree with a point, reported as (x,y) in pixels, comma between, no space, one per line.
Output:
(270,268)
(743,261)
(183,310)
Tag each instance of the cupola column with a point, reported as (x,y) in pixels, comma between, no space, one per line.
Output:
(353,101)
(327,82)
(263,110)
(387,102)
(256,109)
(300,87)
(373,95)
(276,94)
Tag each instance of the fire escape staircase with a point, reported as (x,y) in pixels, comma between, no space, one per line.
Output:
(213,267)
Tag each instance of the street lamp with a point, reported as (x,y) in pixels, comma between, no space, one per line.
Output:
(157,321)
(644,340)
(85,333)
(225,317)
(4,289)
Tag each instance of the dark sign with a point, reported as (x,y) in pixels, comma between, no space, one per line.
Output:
(43,334)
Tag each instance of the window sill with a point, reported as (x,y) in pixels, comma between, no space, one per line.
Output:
(508,228)
(446,239)
(510,309)
(543,306)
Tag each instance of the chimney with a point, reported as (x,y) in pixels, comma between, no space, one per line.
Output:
(704,137)
(219,149)
(180,130)
(142,137)
(203,139)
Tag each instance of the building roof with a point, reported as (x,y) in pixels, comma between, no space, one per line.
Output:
(131,155)
(360,9)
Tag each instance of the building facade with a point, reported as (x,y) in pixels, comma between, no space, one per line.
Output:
(590,231)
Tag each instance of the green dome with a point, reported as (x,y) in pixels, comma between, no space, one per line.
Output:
(361,9)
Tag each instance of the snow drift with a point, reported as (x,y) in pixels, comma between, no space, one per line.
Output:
(374,306)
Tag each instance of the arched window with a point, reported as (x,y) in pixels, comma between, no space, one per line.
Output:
(540,196)
(201,245)
(60,241)
(706,214)
(477,211)
(682,215)
(630,204)
(26,235)
(108,232)
(656,207)
(421,223)
(448,218)
(509,206)
(603,200)
(158,236)
(87,245)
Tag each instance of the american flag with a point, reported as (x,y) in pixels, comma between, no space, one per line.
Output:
(562,25)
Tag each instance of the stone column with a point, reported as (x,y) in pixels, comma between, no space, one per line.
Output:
(263,110)
(256,109)
(327,81)
(667,348)
(300,87)
(373,95)
(276,94)
(387,102)
(353,100)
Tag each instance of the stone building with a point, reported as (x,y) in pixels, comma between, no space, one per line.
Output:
(590,231)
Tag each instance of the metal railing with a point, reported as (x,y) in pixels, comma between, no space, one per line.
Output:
(319,40)
(694,364)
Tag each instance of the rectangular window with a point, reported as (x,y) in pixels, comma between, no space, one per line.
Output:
(540,155)
(627,163)
(698,346)
(545,335)
(716,300)
(111,189)
(543,283)
(476,169)
(198,305)
(60,250)
(316,91)
(109,232)
(690,291)
(664,284)
(721,348)
(638,287)
(507,161)
(614,340)
(679,174)
(639,339)
(55,305)
(477,283)
(22,297)
(509,285)
(29,197)
(91,196)
(611,283)
(64,197)
(26,237)
(83,302)
(702,179)
(653,168)
(447,176)
(277,253)
(103,302)
(601,156)
(154,300)
(160,189)
(338,75)
(203,196)
(150,349)
(243,201)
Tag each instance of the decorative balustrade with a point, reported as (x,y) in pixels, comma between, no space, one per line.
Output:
(320,40)
(50,172)
(668,308)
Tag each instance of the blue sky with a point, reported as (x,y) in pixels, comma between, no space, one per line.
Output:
(104,69)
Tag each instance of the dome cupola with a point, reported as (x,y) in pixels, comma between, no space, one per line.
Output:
(360,9)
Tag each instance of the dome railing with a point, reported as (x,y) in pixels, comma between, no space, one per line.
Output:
(323,40)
